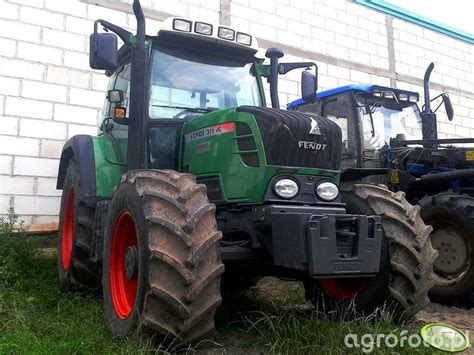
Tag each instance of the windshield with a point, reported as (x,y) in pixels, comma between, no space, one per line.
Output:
(386,123)
(185,82)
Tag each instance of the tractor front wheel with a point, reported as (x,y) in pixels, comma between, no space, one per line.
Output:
(161,264)
(406,265)
(452,219)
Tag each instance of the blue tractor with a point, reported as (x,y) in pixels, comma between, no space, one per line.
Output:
(388,140)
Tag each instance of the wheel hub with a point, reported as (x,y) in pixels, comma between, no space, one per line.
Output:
(67,230)
(452,250)
(131,262)
(124,265)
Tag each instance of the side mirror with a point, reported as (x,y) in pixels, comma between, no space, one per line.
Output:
(309,86)
(103,53)
(448,106)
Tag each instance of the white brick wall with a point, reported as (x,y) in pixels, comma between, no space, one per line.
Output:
(48,93)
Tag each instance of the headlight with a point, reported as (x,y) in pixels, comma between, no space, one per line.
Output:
(327,191)
(286,188)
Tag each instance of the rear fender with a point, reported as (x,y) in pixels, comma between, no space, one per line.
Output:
(82,149)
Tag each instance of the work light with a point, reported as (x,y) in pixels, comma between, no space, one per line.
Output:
(286,188)
(403,97)
(181,25)
(243,38)
(413,98)
(327,191)
(226,33)
(203,28)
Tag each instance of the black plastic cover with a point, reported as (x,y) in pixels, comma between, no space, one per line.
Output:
(330,244)
(296,139)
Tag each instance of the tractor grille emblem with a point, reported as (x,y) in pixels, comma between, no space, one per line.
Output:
(314,126)
(311,145)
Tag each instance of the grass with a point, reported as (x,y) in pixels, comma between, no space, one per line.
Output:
(37,317)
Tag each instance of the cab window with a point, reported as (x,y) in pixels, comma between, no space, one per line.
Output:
(338,108)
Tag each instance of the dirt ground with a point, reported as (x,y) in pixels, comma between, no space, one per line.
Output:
(459,317)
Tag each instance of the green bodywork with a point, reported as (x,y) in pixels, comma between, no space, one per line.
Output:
(210,156)
(221,158)
(215,155)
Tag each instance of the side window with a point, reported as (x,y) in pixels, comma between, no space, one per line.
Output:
(339,110)
(122,82)
(372,130)
(163,140)
(119,133)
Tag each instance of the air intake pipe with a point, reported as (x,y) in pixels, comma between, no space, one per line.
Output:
(274,54)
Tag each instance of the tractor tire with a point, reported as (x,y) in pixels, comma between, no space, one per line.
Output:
(161,262)
(452,219)
(406,265)
(76,272)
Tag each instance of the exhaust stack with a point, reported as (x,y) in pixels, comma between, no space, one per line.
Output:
(429,125)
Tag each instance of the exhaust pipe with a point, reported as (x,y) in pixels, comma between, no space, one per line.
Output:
(429,125)
(136,131)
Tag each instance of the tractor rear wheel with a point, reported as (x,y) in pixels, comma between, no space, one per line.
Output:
(161,263)
(75,270)
(406,265)
(452,219)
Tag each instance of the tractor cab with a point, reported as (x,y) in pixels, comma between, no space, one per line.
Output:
(194,68)
(370,117)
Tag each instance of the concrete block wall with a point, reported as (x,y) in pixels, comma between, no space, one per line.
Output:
(48,93)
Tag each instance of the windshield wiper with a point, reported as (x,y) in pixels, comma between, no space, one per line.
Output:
(192,109)
(368,110)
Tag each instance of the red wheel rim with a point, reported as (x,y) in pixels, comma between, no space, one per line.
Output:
(67,230)
(123,289)
(343,289)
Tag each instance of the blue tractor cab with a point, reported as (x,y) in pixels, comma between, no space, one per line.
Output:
(370,116)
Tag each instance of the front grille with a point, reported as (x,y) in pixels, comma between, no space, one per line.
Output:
(288,142)
(246,145)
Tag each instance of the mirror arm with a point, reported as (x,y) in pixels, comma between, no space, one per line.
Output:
(123,34)
(284,68)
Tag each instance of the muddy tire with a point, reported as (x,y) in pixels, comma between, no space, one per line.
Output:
(164,272)
(452,219)
(406,265)
(75,269)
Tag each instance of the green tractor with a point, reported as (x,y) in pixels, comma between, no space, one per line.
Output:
(191,175)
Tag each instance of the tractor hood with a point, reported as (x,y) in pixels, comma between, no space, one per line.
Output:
(297,140)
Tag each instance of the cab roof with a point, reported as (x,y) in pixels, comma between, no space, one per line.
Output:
(351,87)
